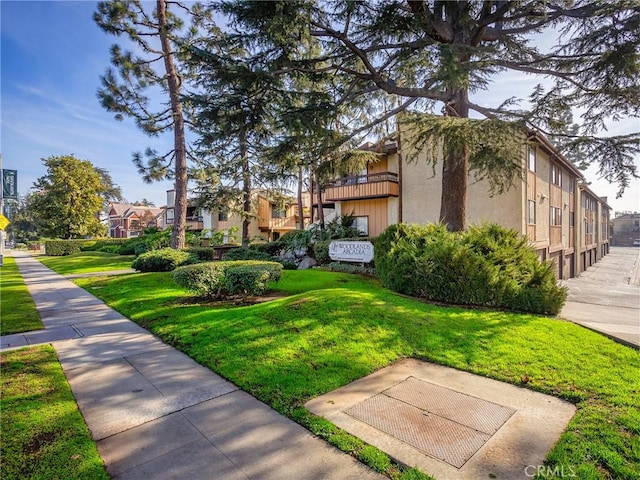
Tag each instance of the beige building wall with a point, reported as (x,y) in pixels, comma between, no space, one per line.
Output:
(422,191)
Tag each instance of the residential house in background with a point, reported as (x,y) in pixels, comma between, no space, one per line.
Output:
(563,219)
(126,221)
(626,229)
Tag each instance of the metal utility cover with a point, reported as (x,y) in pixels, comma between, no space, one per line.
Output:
(440,422)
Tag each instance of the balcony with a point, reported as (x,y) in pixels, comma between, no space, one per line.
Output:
(288,223)
(377,185)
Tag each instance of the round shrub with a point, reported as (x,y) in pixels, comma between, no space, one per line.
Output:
(227,278)
(163,260)
(251,279)
(486,265)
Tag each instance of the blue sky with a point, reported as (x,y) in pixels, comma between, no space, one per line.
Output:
(52,57)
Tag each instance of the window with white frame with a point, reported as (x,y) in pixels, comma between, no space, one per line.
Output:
(362,225)
(532,212)
(556,217)
(531,161)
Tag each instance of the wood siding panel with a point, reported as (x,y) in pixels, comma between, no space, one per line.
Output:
(375,209)
(361,190)
(555,235)
(555,196)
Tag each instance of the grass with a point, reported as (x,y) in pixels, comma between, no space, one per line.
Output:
(336,328)
(43,433)
(17,309)
(87,262)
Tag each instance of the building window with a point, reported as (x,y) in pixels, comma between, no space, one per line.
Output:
(532,212)
(572,219)
(223,216)
(572,186)
(362,224)
(169,215)
(556,175)
(556,216)
(531,162)
(278,212)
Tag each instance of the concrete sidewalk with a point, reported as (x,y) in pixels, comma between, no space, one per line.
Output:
(153,411)
(606,297)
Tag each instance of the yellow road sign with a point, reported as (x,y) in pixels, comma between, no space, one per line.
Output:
(4,221)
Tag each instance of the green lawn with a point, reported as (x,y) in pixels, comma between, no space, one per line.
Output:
(336,328)
(43,433)
(17,310)
(87,262)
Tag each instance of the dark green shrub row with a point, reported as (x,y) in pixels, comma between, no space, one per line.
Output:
(486,265)
(228,278)
(351,268)
(270,248)
(163,260)
(111,245)
(247,254)
(203,254)
(58,248)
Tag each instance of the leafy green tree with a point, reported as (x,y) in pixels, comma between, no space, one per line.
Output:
(436,55)
(23,227)
(128,87)
(66,202)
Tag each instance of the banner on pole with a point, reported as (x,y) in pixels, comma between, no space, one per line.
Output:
(10,184)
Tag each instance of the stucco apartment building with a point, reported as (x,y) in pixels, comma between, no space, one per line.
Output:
(270,218)
(564,220)
(626,229)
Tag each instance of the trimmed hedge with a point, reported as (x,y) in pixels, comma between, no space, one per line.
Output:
(321,251)
(486,265)
(247,254)
(163,260)
(203,254)
(228,278)
(59,248)
(111,245)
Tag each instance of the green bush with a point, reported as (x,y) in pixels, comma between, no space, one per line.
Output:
(210,279)
(155,241)
(163,260)
(270,248)
(247,254)
(486,265)
(321,251)
(100,244)
(288,264)
(59,248)
(251,279)
(203,254)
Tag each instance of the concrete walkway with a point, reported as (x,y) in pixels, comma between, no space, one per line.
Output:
(606,297)
(153,411)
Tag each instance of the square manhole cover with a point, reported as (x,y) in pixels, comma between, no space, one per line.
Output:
(440,422)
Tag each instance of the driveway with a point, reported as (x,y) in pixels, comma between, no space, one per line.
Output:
(606,297)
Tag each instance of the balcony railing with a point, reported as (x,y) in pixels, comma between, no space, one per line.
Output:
(377,185)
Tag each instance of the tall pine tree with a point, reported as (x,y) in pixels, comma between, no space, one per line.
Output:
(133,79)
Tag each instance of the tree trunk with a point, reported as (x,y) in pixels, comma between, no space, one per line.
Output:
(179,141)
(246,191)
(455,164)
(319,197)
(300,206)
(455,172)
